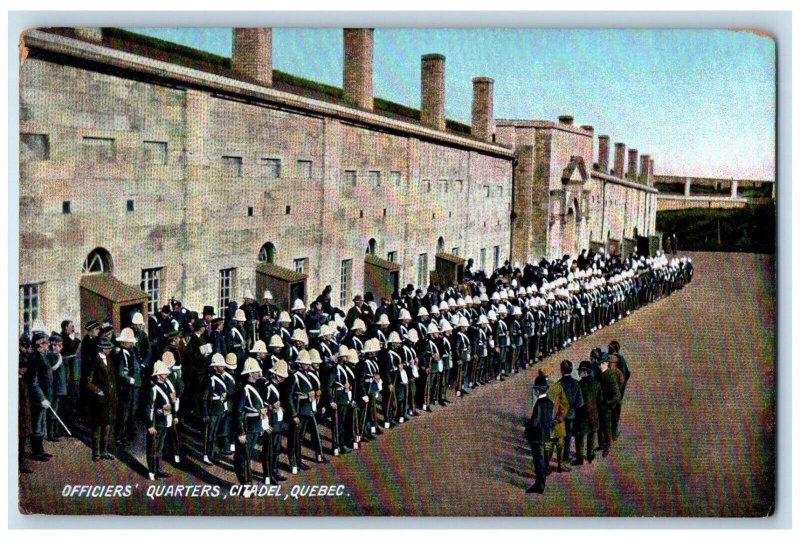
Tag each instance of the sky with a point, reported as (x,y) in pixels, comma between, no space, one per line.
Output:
(700,102)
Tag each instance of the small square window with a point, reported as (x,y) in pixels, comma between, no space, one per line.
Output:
(66,207)
(396,178)
(155,152)
(288,210)
(443,186)
(351,178)
(272,167)
(249,211)
(304,168)
(130,205)
(391,256)
(375,178)
(232,166)
(99,149)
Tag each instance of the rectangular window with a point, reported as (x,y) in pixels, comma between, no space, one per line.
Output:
(151,281)
(427,186)
(345,284)
(391,256)
(375,178)
(396,178)
(496,257)
(34,147)
(155,152)
(456,251)
(272,167)
(483,259)
(422,271)
(459,186)
(303,169)
(301,265)
(28,304)
(231,166)
(500,191)
(488,191)
(227,280)
(100,149)
(351,178)
(443,187)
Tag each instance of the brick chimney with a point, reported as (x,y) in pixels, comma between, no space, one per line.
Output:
(565,119)
(633,163)
(619,159)
(358,67)
(482,108)
(651,172)
(602,152)
(644,169)
(432,111)
(252,54)
(590,129)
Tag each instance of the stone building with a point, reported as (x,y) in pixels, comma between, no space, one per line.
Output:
(147,166)
(564,201)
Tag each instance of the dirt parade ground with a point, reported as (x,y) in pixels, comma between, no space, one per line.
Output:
(697,434)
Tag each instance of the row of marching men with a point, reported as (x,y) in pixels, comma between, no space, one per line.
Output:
(374,374)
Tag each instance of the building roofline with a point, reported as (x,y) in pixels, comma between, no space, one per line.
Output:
(622,182)
(542,124)
(60,44)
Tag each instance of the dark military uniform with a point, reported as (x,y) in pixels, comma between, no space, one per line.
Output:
(160,418)
(276,429)
(213,407)
(250,422)
(538,433)
(102,390)
(587,421)
(609,384)
(129,381)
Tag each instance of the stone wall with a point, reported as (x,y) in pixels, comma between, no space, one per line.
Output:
(210,203)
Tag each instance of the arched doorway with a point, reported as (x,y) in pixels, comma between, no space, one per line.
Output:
(98,261)
(371,246)
(440,244)
(267,253)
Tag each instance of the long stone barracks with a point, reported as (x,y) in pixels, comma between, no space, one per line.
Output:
(150,170)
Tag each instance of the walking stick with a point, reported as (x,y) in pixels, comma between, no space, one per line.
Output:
(60,421)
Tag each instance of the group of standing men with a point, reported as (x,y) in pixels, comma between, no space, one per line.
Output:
(256,382)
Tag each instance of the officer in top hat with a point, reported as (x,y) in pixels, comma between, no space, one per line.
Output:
(538,432)
(102,390)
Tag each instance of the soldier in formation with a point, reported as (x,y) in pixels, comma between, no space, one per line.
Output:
(200,380)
